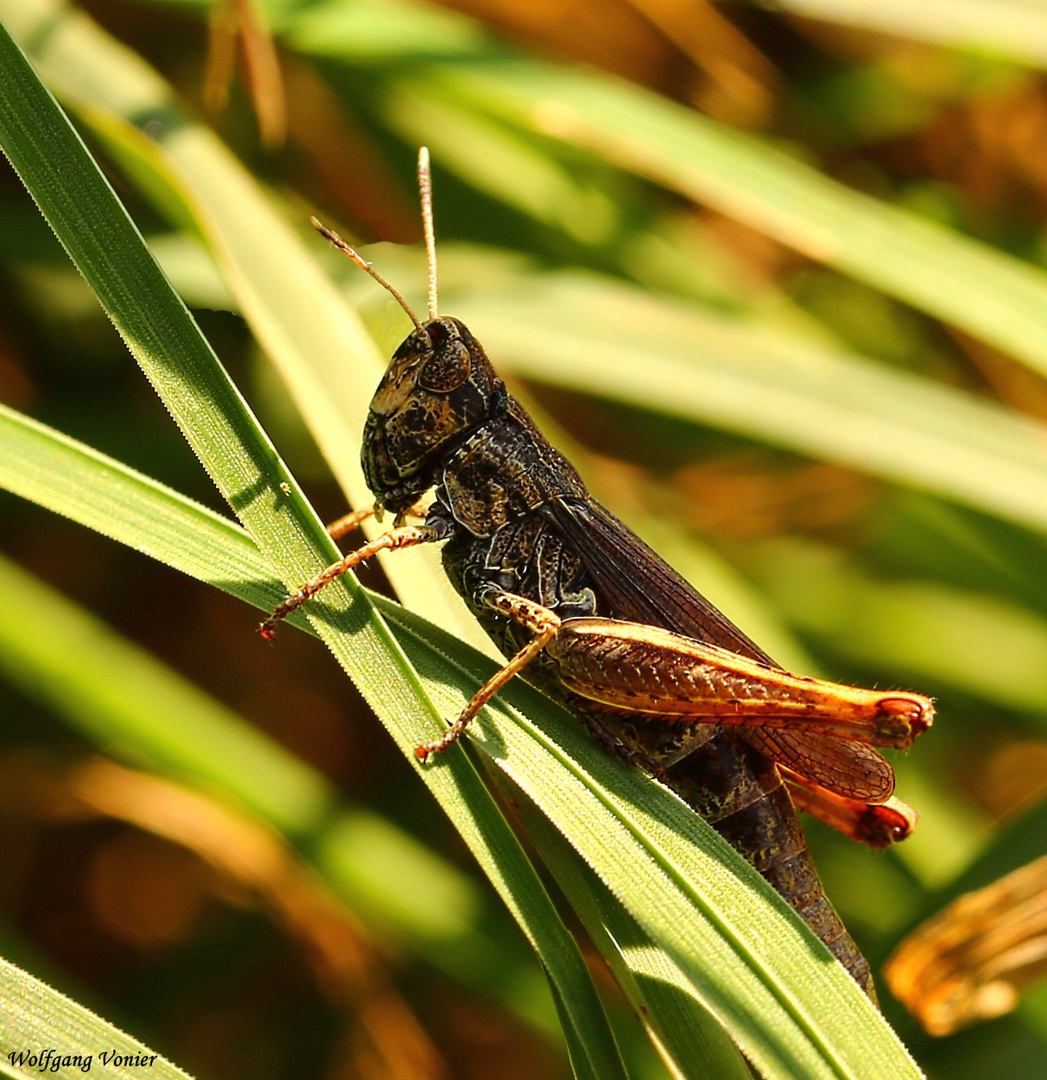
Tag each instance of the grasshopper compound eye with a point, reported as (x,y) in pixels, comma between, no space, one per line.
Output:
(436,392)
(449,363)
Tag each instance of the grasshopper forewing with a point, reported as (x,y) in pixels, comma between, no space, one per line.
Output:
(647,670)
(588,612)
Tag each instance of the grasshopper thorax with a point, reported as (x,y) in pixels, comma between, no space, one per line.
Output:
(439,389)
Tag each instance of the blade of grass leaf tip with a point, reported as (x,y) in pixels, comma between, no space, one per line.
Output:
(38,1018)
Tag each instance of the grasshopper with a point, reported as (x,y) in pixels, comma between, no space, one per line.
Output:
(590,614)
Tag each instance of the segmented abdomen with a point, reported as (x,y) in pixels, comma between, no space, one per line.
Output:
(739,792)
(731,784)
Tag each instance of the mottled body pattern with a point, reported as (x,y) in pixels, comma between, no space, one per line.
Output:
(517,518)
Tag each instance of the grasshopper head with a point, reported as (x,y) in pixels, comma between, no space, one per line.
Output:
(440,387)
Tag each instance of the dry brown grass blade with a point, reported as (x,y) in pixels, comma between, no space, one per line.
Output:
(739,80)
(230,21)
(350,164)
(263,75)
(221,54)
(970,961)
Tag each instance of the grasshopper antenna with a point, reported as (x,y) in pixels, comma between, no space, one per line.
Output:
(425,191)
(364,265)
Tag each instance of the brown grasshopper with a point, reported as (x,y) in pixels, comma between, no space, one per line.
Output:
(590,614)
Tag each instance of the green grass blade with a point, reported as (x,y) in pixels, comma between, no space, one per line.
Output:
(319,346)
(89,487)
(126,701)
(1010,28)
(107,248)
(659,993)
(134,707)
(790,1006)
(989,294)
(39,1020)
(676,878)
(603,338)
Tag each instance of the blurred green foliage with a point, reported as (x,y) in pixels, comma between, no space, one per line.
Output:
(797,338)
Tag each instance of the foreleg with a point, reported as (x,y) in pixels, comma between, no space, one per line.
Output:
(403,537)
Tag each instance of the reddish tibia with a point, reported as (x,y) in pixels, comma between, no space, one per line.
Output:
(878,825)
